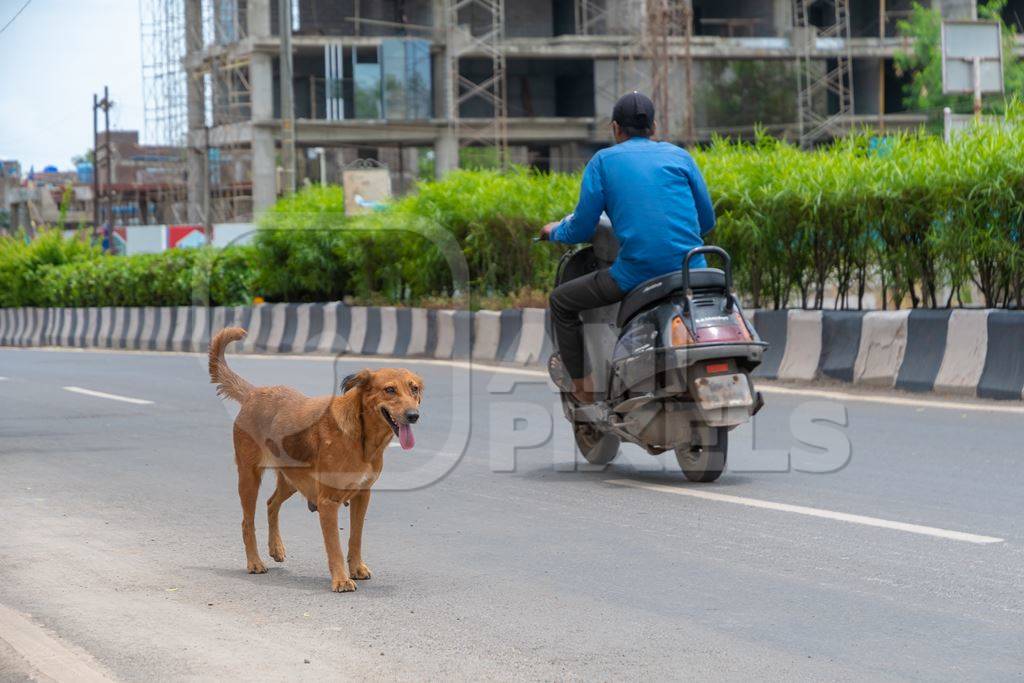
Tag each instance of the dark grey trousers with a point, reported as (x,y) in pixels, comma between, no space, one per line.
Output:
(593,290)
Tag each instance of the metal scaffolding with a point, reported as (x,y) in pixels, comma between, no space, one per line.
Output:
(669,22)
(164,45)
(817,79)
(648,59)
(162,25)
(591,17)
(477,28)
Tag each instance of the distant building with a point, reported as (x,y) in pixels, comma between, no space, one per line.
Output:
(146,185)
(35,200)
(10,181)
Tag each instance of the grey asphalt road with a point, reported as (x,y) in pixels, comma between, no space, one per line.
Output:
(121,539)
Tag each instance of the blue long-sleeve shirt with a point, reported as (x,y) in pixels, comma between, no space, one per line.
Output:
(658,204)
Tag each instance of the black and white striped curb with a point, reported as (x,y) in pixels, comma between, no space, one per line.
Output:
(977,352)
(513,336)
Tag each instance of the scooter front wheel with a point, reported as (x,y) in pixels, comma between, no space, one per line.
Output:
(596,447)
(704,462)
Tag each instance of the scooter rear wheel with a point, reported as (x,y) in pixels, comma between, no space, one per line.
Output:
(596,447)
(704,462)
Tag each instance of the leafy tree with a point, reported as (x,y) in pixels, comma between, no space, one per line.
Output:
(923,62)
(83,158)
(747,92)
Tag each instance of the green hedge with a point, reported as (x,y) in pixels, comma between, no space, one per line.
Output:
(53,271)
(308,250)
(918,218)
(910,213)
(923,220)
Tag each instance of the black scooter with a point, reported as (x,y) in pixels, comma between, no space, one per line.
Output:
(671,363)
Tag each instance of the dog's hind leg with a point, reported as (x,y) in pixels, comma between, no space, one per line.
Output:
(357,513)
(282,493)
(340,580)
(249,474)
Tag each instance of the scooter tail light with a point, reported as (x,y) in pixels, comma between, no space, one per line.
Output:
(680,333)
(744,330)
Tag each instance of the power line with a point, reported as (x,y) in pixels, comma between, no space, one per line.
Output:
(27,3)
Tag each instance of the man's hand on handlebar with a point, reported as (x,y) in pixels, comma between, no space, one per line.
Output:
(545,232)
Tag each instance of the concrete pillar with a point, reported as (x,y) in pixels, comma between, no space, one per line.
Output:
(446,146)
(782,17)
(264,168)
(264,171)
(195,98)
(411,168)
(439,67)
(258,18)
(446,152)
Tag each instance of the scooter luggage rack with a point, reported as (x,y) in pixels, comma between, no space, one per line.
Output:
(688,318)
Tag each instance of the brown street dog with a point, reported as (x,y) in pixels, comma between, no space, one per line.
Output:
(329,448)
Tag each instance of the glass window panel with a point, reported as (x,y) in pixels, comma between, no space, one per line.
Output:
(394,85)
(366,72)
(418,103)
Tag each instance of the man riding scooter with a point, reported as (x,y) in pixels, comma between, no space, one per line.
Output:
(660,209)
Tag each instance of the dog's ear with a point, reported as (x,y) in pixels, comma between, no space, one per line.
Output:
(355,380)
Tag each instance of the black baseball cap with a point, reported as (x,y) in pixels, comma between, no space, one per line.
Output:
(634,110)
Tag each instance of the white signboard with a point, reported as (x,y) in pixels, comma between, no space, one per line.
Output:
(146,239)
(972,57)
(366,189)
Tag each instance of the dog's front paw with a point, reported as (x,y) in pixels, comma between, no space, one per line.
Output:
(359,572)
(257,567)
(277,551)
(343,585)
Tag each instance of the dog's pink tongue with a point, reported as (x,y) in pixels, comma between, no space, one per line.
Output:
(405,437)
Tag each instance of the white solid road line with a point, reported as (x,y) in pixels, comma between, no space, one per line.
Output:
(112,397)
(44,653)
(988,407)
(811,512)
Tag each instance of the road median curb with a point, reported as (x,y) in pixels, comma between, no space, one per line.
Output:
(978,352)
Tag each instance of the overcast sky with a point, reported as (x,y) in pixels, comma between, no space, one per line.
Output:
(52,59)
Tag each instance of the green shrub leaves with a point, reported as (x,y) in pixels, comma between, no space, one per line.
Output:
(54,271)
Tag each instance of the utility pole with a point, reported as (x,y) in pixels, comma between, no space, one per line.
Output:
(882,15)
(691,137)
(284,29)
(207,220)
(95,169)
(105,104)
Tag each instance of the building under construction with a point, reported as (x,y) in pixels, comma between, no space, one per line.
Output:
(412,83)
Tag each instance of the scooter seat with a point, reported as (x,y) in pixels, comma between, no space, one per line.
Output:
(657,288)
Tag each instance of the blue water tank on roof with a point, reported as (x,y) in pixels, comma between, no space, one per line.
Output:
(84,171)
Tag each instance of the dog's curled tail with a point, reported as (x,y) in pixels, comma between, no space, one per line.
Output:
(228,382)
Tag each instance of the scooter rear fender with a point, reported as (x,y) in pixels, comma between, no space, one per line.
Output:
(637,372)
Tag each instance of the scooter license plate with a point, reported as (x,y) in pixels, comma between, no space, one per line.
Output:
(723,391)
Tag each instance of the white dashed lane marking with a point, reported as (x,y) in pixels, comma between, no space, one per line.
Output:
(111,397)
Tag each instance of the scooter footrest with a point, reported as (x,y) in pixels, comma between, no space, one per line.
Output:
(559,375)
